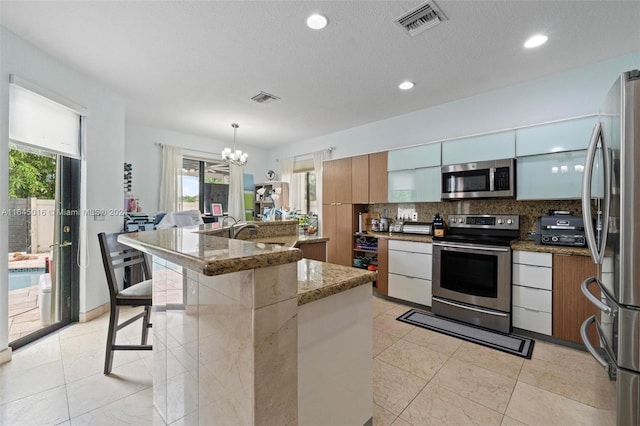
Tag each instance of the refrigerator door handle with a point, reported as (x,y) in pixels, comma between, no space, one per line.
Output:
(592,350)
(597,251)
(608,307)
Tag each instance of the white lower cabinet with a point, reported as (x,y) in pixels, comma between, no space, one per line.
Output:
(410,271)
(412,289)
(532,291)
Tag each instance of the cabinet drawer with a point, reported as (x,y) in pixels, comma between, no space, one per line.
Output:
(527,319)
(416,265)
(410,289)
(533,258)
(411,246)
(532,298)
(532,276)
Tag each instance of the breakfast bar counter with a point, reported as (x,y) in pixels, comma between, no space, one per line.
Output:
(258,334)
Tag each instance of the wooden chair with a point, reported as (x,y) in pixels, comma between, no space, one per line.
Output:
(138,293)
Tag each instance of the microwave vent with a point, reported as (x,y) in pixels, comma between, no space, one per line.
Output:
(421,18)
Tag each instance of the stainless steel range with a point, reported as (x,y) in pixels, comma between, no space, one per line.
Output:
(472,270)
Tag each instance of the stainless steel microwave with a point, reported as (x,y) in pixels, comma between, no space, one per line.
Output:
(484,179)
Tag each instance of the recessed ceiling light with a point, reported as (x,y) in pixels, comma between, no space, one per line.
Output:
(535,41)
(406,85)
(316,22)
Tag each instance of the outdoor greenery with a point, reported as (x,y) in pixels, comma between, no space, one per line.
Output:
(31,175)
(190,198)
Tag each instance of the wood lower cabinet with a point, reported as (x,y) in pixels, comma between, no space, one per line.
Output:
(315,251)
(337,225)
(382,284)
(570,306)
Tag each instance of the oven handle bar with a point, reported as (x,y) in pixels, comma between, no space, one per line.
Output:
(471,308)
(471,247)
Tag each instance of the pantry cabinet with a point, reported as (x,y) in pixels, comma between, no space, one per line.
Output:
(336,181)
(570,306)
(337,225)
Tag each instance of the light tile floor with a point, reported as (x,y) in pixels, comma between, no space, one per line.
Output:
(420,378)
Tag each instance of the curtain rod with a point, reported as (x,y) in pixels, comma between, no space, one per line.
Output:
(188,149)
(330,149)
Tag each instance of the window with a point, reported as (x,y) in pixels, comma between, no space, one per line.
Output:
(303,186)
(204,182)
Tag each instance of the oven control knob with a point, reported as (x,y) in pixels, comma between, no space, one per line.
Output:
(454,220)
(509,221)
(461,220)
(500,221)
(554,239)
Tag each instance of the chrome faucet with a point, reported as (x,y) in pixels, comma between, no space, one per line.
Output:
(228,217)
(236,229)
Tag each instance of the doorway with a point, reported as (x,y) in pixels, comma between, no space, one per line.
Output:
(43,272)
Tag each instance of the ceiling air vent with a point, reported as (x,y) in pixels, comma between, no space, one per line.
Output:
(264,98)
(421,18)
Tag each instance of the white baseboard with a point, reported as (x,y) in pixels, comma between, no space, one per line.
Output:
(5,355)
(94,313)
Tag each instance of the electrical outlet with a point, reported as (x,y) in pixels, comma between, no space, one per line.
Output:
(414,216)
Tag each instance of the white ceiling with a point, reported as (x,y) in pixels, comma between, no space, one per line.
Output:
(192,66)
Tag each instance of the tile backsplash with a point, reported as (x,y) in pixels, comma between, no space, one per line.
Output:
(529,211)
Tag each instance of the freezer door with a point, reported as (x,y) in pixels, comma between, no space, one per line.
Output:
(628,351)
(628,395)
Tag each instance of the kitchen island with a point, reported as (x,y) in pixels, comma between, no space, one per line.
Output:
(261,336)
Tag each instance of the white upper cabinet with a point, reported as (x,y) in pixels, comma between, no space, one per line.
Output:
(551,176)
(414,158)
(414,185)
(570,135)
(495,146)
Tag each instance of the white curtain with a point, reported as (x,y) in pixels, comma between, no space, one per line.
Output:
(236,193)
(318,158)
(171,181)
(287,175)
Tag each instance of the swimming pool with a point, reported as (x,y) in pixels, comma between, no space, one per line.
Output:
(25,277)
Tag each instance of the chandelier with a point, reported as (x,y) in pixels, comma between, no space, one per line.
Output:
(235,156)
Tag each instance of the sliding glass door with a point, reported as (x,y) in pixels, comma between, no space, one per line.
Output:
(43,242)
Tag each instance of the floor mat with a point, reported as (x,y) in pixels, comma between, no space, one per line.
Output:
(515,345)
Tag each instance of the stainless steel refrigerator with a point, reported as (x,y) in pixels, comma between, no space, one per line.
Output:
(611,209)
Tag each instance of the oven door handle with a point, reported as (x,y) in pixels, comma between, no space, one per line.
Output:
(471,308)
(471,247)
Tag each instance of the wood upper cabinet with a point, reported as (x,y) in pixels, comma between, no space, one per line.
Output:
(360,179)
(378,177)
(570,306)
(369,178)
(336,181)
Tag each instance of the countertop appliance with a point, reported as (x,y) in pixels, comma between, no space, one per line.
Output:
(472,270)
(561,229)
(483,179)
(613,160)
(422,228)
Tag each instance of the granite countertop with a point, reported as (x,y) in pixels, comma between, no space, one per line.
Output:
(207,254)
(527,245)
(522,245)
(290,240)
(317,280)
